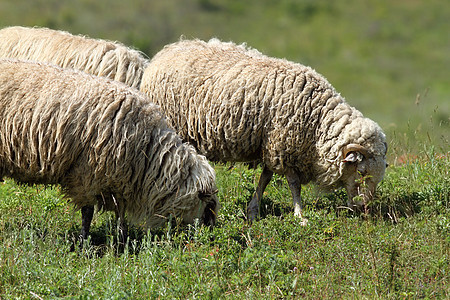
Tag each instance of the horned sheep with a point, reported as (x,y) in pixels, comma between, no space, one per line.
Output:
(235,104)
(103,142)
(95,56)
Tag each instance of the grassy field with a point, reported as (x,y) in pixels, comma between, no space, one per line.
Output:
(388,58)
(400,249)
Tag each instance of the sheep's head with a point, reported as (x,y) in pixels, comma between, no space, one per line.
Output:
(205,210)
(363,170)
(211,207)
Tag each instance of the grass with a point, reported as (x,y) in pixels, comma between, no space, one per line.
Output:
(401,249)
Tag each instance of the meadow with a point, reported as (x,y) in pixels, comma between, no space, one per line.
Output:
(399,248)
(389,59)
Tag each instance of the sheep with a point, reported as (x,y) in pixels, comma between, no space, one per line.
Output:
(252,100)
(235,104)
(104,143)
(99,57)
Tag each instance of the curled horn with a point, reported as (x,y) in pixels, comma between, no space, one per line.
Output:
(356,148)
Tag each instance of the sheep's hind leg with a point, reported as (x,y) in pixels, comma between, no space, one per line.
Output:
(253,206)
(87,213)
(122,229)
(296,188)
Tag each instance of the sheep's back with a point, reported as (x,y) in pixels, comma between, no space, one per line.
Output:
(58,126)
(210,102)
(236,104)
(95,56)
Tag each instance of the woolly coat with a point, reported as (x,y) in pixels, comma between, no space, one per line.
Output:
(98,57)
(236,104)
(102,141)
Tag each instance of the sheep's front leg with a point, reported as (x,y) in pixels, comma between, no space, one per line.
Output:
(296,188)
(87,212)
(253,206)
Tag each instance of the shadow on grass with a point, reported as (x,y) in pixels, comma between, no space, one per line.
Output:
(274,208)
(104,238)
(391,207)
(434,200)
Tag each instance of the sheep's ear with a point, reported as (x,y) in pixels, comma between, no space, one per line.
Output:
(209,214)
(353,157)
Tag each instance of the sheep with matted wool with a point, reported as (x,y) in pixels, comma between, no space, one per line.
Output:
(235,104)
(95,56)
(104,143)
(265,84)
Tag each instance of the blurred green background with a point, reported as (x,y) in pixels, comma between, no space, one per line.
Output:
(390,59)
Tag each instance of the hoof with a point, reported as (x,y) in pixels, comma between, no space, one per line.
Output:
(252,214)
(304,222)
